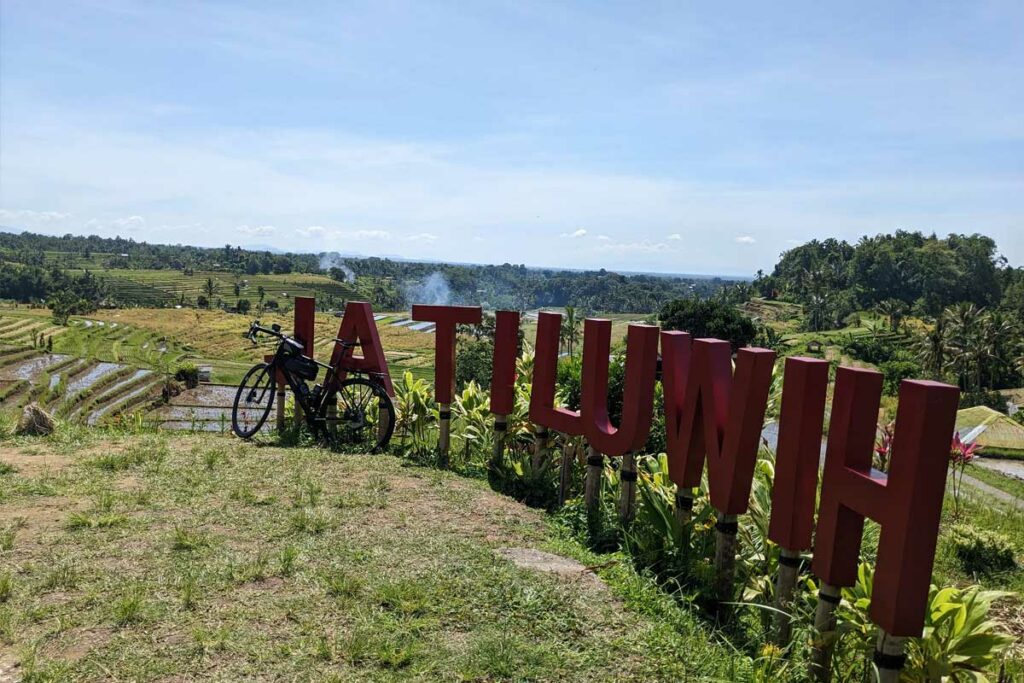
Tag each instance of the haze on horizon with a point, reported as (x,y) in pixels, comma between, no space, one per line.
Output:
(655,138)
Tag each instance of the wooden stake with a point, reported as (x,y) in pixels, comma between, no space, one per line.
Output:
(785,582)
(444,438)
(825,638)
(332,416)
(281,397)
(627,489)
(498,448)
(684,505)
(540,443)
(889,657)
(592,486)
(382,421)
(565,475)
(725,556)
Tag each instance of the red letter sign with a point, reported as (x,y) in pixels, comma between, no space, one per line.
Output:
(799,448)
(305,320)
(638,393)
(907,502)
(720,416)
(503,376)
(358,326)
(545,369)
(447,318)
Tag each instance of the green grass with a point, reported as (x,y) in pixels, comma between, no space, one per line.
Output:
(1011,485)
(249,568)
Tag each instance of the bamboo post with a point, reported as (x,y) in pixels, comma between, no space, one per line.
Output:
(889,657)
(565,475)
(627,489)
(280,398)
(332,416)
(540,442)
(684,505)
(592,487)
(382,421)
(498,447)
(444,437)
(825,636)
(725,557)
(785,582)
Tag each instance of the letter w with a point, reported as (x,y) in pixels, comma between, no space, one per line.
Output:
(711,412)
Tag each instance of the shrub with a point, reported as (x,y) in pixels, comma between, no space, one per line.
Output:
(980,551)
(188,373)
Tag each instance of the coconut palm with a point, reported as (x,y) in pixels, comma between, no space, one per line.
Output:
(570,333)
(931,347)
(966,353)
(893,310)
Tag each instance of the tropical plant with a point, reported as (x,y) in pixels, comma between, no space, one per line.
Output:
(570,333)
(959,641)
(414,410)
(472,417)
(960,455)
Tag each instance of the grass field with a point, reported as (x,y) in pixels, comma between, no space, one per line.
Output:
(156,557)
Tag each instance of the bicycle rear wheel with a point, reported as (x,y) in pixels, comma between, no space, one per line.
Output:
(359,417)
(253,401)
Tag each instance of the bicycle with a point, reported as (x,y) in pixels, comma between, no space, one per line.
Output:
(355,413)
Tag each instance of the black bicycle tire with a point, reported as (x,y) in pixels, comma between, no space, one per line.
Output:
(240,433)
(381,392)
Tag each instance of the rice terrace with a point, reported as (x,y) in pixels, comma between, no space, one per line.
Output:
(511,342)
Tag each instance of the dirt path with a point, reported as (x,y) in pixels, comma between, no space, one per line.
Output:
(1001,496)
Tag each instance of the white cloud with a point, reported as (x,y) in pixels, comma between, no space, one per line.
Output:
(422,237)
(312,231)
(256,230)
(604,238)
(675,237)
(32,217)
(642,247)
(576,234)
(116,225)
(744,239)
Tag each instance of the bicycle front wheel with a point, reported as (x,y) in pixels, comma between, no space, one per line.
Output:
(359,417)
(253,401)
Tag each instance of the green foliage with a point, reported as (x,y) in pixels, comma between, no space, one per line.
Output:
(473,362)
(187,373)
(708,318)
(981,551)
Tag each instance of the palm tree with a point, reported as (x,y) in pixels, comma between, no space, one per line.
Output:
(965,350)
(210,287)
(894,310)
(570,333)
(932,347)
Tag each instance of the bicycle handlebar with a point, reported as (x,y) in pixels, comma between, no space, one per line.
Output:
(255,327)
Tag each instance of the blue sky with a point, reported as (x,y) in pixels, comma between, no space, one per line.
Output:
(701,138)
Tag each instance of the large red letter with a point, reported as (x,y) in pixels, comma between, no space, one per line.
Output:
(797,454)
(447,318)
(907,502)
(721,416)
(638,392)
(503,375)
(305,322)
(358,326)
(545,370)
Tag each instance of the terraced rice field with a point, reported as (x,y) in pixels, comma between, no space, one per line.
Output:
(169,287)
(77,389)
(113,362)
